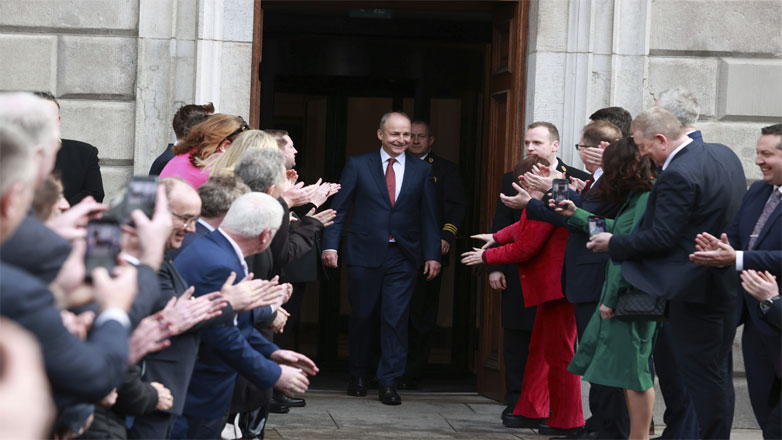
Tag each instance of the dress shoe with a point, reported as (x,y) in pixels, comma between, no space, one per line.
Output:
(513,421)
(581,434)
(544,429)
(278,408)
(357,386)
(389,396)
(291,402)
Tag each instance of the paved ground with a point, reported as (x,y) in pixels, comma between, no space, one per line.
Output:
(334,415)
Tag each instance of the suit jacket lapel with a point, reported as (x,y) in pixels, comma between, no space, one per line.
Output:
(376,170)
(409,167)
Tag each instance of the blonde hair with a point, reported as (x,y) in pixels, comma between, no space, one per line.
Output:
(224,162)
(205,138)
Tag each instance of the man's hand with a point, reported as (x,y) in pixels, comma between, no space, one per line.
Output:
(605,312)
(182,313)
(292,381)
(329,258)
(326,217)
(298,194)
(109,400)
(280,319)
(473,257)
(444,247)
(594,155)
(497,280)
(251,293)
(761,285)
(721,253)
(295,360)
(150,336)
(431,269)
(164,398)
(72,224)
(599,242)
(152,234)
(538,182)
(577,184)
(488,240)
(69,288)
(118,292)
(706,242)
(77,325)
(519,201)
(323,191)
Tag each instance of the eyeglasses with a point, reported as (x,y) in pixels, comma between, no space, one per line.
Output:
(187,220)
(579,146)
(242,128)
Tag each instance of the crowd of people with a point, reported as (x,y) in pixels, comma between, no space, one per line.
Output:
(166,312)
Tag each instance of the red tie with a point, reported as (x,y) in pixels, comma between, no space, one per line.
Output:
(391,181)
(588,185)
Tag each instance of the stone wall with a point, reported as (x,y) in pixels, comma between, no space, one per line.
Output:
(121,68)
(588,54)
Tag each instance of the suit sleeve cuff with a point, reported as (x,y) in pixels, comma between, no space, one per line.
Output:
(739,261)
(118,315)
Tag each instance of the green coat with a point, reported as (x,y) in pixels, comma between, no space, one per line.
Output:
(612,352)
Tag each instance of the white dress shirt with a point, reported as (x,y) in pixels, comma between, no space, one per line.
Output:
(675,152)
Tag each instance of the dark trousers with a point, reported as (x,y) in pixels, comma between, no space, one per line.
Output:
(156,425)
(422,323)
(610,418)
(679,416)
(760,351)
(195,428)
(293,306)
(515,350)
(701,338)
(385,292)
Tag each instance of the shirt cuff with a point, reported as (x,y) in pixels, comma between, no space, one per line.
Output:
(332,250)
(115,314)
(739,261)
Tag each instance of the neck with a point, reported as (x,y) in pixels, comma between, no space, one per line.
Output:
(424,153)
(214,221)
(247,245)
(689,129)
(591,167)
(552,161)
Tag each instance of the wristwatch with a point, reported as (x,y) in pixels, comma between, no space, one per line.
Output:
(765,305)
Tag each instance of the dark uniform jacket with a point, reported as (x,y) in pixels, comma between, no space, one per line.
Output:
(77,163)
(451,203)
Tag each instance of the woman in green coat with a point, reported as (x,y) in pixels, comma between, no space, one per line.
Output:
(612,352)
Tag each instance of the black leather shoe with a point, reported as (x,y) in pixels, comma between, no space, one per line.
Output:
(357,386)
(389,396)
(513,421)
(290,402)
(278,408)
(544,429)
(581,434)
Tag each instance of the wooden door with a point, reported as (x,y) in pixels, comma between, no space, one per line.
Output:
(503,148)
(255,79)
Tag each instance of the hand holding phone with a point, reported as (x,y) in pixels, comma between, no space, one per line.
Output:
(559,189)
(103,245)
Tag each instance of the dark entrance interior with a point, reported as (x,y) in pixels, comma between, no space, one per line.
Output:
(329,72)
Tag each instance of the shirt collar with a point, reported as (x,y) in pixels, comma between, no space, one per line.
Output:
(238,251)
(596,175)
(675,152)
(205,224)
(385,156)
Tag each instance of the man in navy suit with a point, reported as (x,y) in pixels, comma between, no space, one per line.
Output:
(393,232)
(699,189)
(247,229)
(754,241)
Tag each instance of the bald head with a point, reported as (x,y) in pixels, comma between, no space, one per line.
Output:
(185,206)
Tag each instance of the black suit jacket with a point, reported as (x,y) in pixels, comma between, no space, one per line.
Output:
(571,171)
(293,241)
(77,163)
(83,371)
(701,190)
(515,315)
(583,272)
(161,161)
(451,202)
(36,249)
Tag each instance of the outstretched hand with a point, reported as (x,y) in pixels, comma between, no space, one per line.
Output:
(487,238)
(519,201)
(473,257)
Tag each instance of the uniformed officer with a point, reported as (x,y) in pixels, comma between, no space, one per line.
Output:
(451,207)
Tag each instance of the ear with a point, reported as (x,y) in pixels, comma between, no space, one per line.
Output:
(555,146)
(223,146)
(431,141)
(8,201)
(379,134)
(265,238)
(663,140)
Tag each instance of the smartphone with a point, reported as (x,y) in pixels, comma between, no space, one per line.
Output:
(596,225)
(141,194)
(559,189)
(103,245)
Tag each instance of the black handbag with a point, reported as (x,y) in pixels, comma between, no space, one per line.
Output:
(635,305)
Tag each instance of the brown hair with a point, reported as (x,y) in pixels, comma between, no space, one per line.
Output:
(46,197)
(600,131)
(205,138)
(526,165)
(553,133)
(278,136)
(184,113)
(624,171)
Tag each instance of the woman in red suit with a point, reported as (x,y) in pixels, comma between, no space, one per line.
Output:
(539,250)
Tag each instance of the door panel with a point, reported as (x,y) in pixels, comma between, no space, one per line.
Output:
(504,149)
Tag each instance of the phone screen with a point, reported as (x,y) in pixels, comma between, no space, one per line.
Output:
(596,225)
(103,245)
(141,195)
(559,190)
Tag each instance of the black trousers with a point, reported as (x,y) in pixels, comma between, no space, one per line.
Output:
(156,425)
(607,404)
(422,322)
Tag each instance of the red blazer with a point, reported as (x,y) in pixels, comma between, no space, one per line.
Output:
(539,249)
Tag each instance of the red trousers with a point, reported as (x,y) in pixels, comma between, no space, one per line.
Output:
(547,384)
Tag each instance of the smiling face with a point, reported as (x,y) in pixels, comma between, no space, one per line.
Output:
(657,148)
(769,158)
(184,204)
(394,136)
